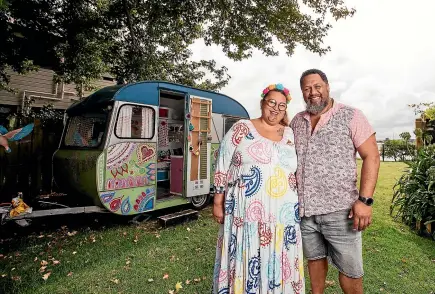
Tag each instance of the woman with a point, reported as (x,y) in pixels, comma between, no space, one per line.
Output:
(259,245)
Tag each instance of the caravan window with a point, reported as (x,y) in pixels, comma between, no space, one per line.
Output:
(229,121)
(85,131)
(135,122)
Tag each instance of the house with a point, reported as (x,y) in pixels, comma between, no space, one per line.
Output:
(40,86)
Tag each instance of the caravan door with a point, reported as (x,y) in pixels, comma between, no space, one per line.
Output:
(198,146)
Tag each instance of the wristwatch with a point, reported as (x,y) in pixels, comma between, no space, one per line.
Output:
(366,200)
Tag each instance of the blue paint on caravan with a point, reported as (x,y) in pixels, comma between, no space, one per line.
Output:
(148,93)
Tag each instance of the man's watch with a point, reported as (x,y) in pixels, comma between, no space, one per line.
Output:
(366,200)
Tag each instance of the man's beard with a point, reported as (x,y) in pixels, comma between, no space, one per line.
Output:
(316,109)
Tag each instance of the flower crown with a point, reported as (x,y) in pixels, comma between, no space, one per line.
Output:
(278,87)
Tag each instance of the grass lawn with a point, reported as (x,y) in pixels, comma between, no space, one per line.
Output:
(114,257)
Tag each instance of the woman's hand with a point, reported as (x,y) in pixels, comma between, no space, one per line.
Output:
(218,213)
(218,208)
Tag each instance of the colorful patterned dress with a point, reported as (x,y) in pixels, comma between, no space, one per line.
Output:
(259,247)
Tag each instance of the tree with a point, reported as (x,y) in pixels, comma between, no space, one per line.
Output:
(138,40)
(398,149)
(391,149)
(406,136)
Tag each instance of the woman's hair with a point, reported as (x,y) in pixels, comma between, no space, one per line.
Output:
(284,121)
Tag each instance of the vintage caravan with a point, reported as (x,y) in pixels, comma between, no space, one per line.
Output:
(142,147)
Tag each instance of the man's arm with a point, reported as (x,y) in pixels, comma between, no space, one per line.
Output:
(369,153)
(361,213)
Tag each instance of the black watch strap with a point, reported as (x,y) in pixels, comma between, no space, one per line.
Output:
(366,200)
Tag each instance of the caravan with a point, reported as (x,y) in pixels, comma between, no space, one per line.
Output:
(141,147)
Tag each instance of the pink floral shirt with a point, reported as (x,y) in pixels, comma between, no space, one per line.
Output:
(327,171)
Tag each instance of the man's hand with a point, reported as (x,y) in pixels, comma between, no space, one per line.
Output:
(362,216)
(218,213)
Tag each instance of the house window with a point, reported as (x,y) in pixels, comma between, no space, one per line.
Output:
(135,122)
(229,121)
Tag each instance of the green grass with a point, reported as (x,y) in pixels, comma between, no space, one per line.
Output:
(396,260)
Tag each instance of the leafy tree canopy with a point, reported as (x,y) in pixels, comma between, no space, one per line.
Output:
(150,39)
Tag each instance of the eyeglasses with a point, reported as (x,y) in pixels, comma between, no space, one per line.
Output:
(272,103)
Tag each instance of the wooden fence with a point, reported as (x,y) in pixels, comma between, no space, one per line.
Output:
(28,168)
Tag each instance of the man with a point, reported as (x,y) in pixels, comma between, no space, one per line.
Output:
(334,212)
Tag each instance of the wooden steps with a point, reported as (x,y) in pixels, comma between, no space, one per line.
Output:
(185,215)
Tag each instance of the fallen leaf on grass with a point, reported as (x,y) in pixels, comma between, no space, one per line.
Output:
(116,281)
(1,256)
(188,229)
(69,274)
(172,258)
(187,282)
(157,236)
(136,239)
(178,286)
(42,269)
(197,280)
(36,259)
(127,262)
(16,278)
(44,263)
(171,292)
(165,276)
(74,252)
(55,262)
(41,236)
(330,283)
(46,276)
(124,234)
(150,280)
(203,278)
(12,269)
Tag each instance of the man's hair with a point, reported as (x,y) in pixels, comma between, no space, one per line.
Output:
(313,71)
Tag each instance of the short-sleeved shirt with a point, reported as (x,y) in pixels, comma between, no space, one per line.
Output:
(327,170)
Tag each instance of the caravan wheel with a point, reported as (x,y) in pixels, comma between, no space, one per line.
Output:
(200,202)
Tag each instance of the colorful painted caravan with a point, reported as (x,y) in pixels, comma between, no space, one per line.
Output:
(144,146)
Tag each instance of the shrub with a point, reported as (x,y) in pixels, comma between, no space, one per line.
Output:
(414,193)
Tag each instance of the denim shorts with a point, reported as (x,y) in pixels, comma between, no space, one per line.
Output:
(331,235)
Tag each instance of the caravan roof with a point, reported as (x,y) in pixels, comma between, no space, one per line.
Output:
(147,92)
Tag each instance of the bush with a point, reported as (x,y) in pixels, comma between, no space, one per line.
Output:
(414,193)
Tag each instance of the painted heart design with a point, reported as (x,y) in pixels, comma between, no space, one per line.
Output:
(145,153)
(261,152)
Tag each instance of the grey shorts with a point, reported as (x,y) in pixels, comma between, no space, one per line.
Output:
(331,235)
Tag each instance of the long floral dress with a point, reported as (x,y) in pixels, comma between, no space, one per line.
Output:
(259,247)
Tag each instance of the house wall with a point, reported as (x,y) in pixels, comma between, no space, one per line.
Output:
(40,86)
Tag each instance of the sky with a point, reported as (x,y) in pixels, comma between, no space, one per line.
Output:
(381,60)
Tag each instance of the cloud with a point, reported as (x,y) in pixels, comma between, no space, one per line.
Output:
(382,59)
